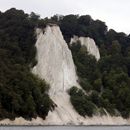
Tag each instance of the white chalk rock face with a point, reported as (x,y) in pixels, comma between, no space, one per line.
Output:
(92,48)
(55,65)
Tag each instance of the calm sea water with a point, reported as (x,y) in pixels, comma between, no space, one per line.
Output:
(65,128)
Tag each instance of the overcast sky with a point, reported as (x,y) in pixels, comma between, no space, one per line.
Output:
(116,13)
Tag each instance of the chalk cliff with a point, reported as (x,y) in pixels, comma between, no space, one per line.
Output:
(89,43)
(56,66)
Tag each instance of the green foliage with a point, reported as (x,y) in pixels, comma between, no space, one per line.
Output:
(83,26)
(106,82)
(34,18)
(115,48)
(68,26)
(78,25)
(21,93)
(97,85)
(85,63)
(95,98)
(17,34)
(81,102)
(85,84)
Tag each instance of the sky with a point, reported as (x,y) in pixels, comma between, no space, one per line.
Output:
(115,13)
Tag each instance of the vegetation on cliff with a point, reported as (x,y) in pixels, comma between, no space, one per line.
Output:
(21,93)
(106,82)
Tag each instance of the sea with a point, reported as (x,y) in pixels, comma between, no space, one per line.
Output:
(64,127)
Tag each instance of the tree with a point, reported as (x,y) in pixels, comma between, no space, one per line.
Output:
(115,48)
(68,26)
(97,85)
(17,83)
(85,20)
(81,102)
(34,17)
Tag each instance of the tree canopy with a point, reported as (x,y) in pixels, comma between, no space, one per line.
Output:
(105,83)
(21,93)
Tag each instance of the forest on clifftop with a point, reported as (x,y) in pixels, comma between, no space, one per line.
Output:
(106,82)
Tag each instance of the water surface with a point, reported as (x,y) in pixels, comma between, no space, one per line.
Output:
(65,128)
